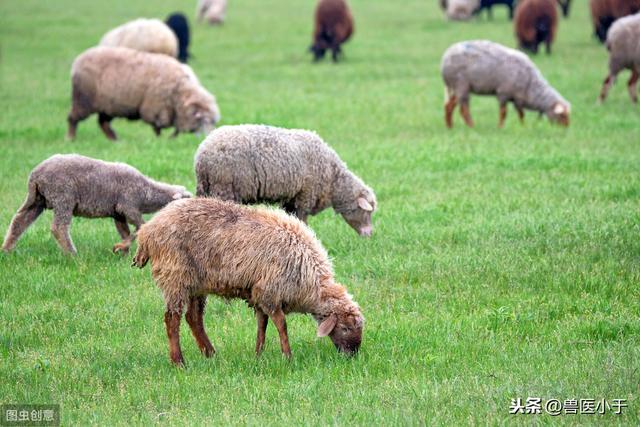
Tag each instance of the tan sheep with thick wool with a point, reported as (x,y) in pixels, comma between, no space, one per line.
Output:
(271,260)
(146,35)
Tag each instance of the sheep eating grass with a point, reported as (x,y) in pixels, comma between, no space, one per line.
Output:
(271,260)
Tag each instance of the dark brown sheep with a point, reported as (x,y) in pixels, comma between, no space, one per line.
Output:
(605,12)
(333,27)
(535,22)
(271,260)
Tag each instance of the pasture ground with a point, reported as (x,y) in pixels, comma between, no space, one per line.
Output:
(504,263)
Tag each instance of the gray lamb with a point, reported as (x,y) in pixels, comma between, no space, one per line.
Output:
(74,185)
(624,52)
(487,68)
(291,167)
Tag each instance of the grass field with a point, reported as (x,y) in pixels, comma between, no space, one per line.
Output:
(504,263)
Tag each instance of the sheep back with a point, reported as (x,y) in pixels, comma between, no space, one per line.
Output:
(203,245)
(622,43)
(147,35)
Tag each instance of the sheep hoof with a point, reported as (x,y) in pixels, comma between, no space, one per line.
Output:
(120,248)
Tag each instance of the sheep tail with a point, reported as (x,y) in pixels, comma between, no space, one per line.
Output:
(141,257)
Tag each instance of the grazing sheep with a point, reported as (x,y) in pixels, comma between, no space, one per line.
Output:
(74,185)
(121,82)
(564,5)
(146,35)
(623,43)
(605,12)
(291,167)
(333,27)
(461,10)
(180,26)
(213,11)
(486,68)
(535,23)
(271,260)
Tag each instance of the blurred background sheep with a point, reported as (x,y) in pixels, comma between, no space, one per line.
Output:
(623,43)
(605,12)
(180,26)
(333,27)
(487,68)
(147,35)
(536,22)
(211,11)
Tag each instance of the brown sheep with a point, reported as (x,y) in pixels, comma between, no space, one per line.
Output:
(271,260)
(333,27)
(535,22)
(605,12)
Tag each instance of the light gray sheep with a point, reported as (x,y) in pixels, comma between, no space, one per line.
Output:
(271,260)
(460,10)
(623,43)
(213,11)
(122,82)
(291,167)
(487,68)
(74,185)
(147,35)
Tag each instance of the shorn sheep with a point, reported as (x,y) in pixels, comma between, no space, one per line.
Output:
(121,82)
(536,22)
(271,260)
(147,35)
(623,43)
(605,12)
(333,27)
(74,185)
(487,68)
(290,167)
(180,26)
(212,11)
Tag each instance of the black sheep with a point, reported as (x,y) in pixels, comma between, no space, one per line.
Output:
(180,26)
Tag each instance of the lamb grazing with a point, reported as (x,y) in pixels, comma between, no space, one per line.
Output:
(213,11)
(462,10)
(121,82)
(486,68)
(271,260)
(74,185)
(146,35)
(535,23)
(623,43)
(564,5)
(605,12)
(333,27)
(291,167)
(180,27)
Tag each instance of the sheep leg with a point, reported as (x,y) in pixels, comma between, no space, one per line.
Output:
(25,216)
(503,114)
(262,320)
(520,113)
(335,53)
(279,320)
(449,108)
(104,120)
(80,109)
(122,227)
(172,323)
(134,218)
(194,316)
(465,113)
(60,230)
(606,85)
(157,130)
(632,85)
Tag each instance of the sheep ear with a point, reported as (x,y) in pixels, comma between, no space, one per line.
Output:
(559,109)
(327,325)
(363,204)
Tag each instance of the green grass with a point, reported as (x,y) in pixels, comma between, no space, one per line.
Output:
(504,263)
